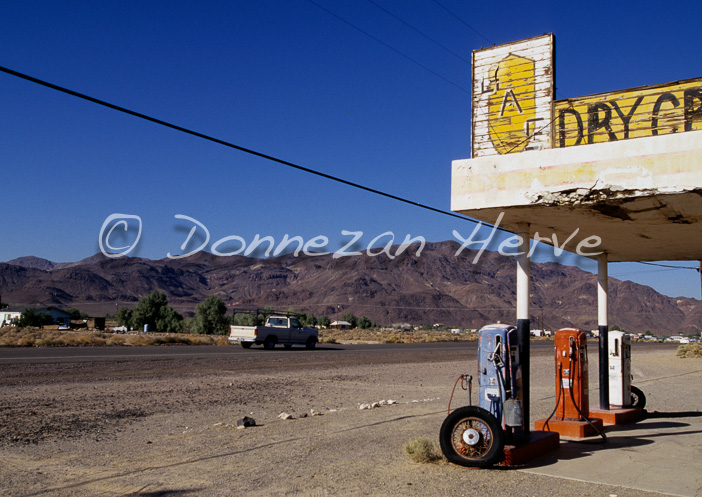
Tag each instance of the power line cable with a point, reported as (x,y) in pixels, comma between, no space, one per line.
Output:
(464,22)
(262,155)
(420,32)
(414,61)
(236,147)
(405,55)
(669,266)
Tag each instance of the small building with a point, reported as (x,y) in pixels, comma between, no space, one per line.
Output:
(403,326)
(9,316)
(97,323)
(541,333)
(340,325)
(59,317)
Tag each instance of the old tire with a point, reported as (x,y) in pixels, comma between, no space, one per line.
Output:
(638,399)
(246,345)
(269,343)
(311,343)
(471,436)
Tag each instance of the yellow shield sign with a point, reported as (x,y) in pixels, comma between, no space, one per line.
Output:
(512,106)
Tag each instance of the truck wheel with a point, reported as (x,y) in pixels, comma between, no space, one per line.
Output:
(638,399)
(471,436)
(311,343)
(269,343)
(246,345)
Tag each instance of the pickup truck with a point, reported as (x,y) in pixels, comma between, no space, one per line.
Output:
(284,330)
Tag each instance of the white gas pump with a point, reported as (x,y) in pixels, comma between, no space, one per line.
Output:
(621,392)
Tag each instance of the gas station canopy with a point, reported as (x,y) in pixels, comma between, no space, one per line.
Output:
(625,167)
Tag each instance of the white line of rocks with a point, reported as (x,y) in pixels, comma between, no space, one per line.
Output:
(247,421)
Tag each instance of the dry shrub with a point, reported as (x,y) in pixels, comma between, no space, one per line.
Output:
(395,336)
(423,450)
(136,340)
(692,350)
(11,336)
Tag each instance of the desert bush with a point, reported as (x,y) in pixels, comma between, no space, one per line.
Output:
(423,450)
(34,337)
(691,350)
(394,336)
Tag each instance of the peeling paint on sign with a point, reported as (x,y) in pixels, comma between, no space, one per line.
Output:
(638,112)
(512,97)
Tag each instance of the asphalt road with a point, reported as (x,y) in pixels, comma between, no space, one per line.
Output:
(385,353)
(65,363)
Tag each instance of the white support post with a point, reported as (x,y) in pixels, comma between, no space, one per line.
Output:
(523,275)
(603,325)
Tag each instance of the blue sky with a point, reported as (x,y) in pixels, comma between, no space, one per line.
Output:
(356,94)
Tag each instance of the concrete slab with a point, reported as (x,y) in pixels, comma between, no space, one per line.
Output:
(568,428)
(662,453)
(618,416)
(539,443)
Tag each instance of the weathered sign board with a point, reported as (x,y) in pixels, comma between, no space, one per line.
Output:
(513,107)
(638,112)
(512,97)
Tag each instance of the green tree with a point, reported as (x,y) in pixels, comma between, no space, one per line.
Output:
(364,323)
(324,322)
(32,317)
(350,318)
(124,317)
(310,320)
(188,326)
(155,311)
(209,317)
(243,319)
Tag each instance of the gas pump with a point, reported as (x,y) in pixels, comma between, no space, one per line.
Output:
(621,392)
(476,435)
(571,374)
(572,398)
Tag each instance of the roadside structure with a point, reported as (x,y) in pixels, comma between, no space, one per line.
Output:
(614,176)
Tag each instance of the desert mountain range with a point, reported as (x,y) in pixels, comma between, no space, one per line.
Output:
(436,286)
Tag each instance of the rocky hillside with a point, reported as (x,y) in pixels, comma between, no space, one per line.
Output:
(434,287)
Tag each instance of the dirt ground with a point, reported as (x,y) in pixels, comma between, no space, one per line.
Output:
(158,427)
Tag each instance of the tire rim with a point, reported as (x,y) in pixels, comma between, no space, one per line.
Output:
(472,438)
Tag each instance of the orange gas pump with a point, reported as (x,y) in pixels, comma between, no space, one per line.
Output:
(569,417)
(571,374)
